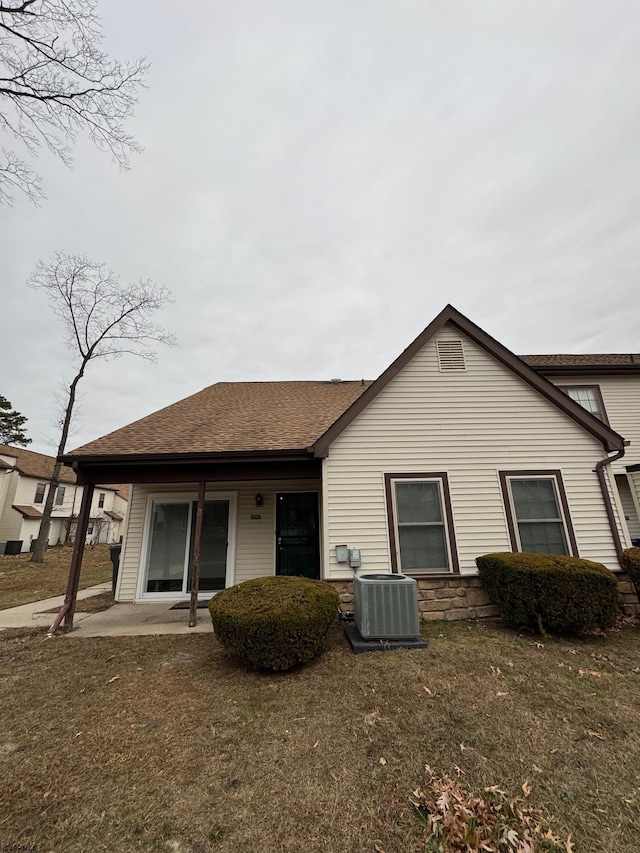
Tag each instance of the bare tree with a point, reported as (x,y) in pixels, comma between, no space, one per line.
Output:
(102,320)
(55,81)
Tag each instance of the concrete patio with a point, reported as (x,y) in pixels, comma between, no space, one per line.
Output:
(120,620)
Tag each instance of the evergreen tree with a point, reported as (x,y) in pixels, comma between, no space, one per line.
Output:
(12,425)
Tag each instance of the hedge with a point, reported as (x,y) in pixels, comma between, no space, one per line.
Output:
(550,593)
(630,561)
(275,622)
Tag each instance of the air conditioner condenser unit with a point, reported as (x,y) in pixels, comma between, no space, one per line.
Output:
(386,606)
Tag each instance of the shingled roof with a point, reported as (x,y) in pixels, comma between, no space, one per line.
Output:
(38,465)
(27,511)
(586,360)
(232,417)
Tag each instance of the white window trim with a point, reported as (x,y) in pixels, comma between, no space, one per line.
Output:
(445,523)
(180,498)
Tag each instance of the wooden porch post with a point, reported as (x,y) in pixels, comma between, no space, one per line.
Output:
(195,570)
(69,606)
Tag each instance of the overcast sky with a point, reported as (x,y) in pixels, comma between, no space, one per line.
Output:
(321,178)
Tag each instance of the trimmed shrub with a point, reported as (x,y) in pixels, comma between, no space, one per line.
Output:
(275,622)
(630,562)
(550,593)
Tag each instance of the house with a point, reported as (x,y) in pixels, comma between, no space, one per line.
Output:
(607,385)
(25,479)
(458,449)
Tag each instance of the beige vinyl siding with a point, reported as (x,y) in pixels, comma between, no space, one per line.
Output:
(628,505)
(471,424)
(130,554)
(621,395)
(255,538)
(11,521)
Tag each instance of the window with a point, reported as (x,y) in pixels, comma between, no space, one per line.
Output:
(59,495)
(101,499)
(537,512)
(90,527)
(41,488)
(420,523)
(589,397)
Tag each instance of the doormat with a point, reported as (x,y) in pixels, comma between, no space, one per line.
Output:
(359,645)
(185,605)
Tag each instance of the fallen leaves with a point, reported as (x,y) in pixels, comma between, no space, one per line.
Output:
(372,718)
(591,733)
(458,820)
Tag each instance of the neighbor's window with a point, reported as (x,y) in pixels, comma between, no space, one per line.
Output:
(101,499)
(537,513)
(589,397)
(59,495)
(41,488)
(90,527)
(421,537)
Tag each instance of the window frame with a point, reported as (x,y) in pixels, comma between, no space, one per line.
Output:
(59,498)
(42,497)
(447,512)
(101,497)
(561,496)
(602,417)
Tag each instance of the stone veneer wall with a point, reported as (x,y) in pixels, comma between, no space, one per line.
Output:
(629,602)
(462,597)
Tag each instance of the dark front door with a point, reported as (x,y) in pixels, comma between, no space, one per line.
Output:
(297,534)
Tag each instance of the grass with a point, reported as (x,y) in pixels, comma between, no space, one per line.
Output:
(22,581)
(165,744)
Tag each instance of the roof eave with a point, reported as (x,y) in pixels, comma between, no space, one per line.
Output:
(173,458)
(585,369)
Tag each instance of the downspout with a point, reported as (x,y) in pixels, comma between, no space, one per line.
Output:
(606,497)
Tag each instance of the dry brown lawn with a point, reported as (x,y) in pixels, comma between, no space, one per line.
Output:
(165,744)
(22,581)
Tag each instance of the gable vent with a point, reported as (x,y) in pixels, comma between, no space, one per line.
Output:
(451,355)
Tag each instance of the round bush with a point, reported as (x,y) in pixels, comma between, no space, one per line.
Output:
(630,561)
(549,592)
(275,622)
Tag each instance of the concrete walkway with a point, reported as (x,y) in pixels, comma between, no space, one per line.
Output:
(32,615)
(120,620)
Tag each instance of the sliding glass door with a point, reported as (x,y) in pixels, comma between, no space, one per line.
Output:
(171,539)
(214,545)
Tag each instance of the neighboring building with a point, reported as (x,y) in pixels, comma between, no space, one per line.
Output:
(458,449)
(25,479)
(607,385)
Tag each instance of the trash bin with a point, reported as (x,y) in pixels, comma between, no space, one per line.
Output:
(114,552)
(33,542)
(13,546)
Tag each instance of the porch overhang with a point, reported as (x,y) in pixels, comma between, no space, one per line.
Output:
(196,467)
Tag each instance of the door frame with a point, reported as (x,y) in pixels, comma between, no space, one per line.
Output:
(188,498)
(317,492)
